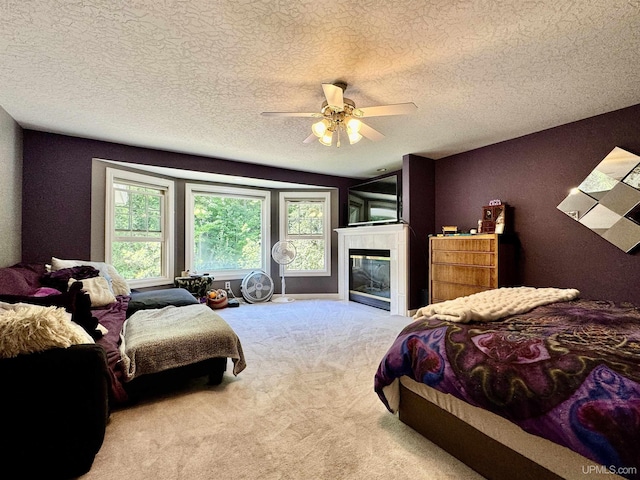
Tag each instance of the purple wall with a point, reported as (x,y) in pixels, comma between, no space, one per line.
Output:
(533,174)
(57,194)
(418,210)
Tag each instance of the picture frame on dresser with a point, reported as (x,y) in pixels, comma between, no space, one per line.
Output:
(493,219)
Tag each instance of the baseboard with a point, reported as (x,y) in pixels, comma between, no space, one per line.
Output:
(310,296)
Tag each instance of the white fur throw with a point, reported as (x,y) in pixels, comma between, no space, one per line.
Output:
(495,304)
(31,328)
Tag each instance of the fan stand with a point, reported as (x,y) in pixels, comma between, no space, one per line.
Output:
(282,298)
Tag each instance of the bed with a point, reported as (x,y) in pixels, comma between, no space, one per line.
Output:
(192,346)
(62,366)
(551,391)
(158,333)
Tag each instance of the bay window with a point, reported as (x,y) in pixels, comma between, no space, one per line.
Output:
(227,230)
(139,227)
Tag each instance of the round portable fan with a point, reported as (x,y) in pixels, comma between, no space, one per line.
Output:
(257,287)
(283,253)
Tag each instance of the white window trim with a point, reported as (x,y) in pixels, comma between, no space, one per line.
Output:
(326,198)
(263,195)
(168,222)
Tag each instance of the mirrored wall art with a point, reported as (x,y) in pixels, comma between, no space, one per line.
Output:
(608,200)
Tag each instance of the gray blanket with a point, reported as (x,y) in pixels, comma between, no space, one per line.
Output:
(170,337)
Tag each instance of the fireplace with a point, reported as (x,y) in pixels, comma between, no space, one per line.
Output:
(393,238)
(370,277)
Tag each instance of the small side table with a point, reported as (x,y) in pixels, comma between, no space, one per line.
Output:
(198,286)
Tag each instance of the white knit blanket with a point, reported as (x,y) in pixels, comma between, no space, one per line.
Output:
(495,304)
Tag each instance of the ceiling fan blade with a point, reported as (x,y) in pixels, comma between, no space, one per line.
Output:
(333,95)
(382,110)
(310,138)
(370,133)
(290,114)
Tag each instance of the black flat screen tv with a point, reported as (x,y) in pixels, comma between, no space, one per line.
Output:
(375,202)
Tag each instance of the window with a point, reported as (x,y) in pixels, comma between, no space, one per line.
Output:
(227,230)
(305,221)
(139,227)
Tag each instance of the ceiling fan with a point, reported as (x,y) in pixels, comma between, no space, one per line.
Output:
(339,116)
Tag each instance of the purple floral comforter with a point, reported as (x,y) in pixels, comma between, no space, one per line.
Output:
(568,372)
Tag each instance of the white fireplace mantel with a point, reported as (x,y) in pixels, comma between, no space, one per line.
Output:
(395,238)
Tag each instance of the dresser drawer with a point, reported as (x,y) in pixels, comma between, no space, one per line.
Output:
(465,275)
(468,244)
(462,258)
(441,291)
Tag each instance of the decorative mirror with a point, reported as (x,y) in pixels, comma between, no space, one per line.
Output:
(608,200)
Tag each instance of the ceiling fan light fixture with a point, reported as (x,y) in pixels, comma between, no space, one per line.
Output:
(339,115)
(327,138)
(353,125)
(319,128)
(354,137)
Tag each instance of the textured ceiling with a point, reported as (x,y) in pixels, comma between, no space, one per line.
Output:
(194,75)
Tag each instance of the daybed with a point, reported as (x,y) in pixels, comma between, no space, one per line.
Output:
(60,382)
(540,391)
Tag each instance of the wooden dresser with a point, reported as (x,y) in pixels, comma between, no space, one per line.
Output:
(462,265)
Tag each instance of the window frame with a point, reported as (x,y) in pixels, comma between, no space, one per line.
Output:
(167,241)
(256,194)
(325,198)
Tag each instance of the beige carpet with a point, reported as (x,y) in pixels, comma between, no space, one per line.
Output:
(303,409)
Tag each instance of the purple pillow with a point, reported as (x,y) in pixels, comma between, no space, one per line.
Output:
(45,292)
(21,278)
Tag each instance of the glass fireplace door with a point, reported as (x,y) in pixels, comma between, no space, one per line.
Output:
(369,277)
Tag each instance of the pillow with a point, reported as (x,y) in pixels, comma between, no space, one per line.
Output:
(59,264)
(45,292)
(98,290)
(118,284)
(75,301)
(21,278)
(178,297)
(59,279)
(27,329)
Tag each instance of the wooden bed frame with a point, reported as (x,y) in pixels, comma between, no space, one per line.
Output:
(482,453)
